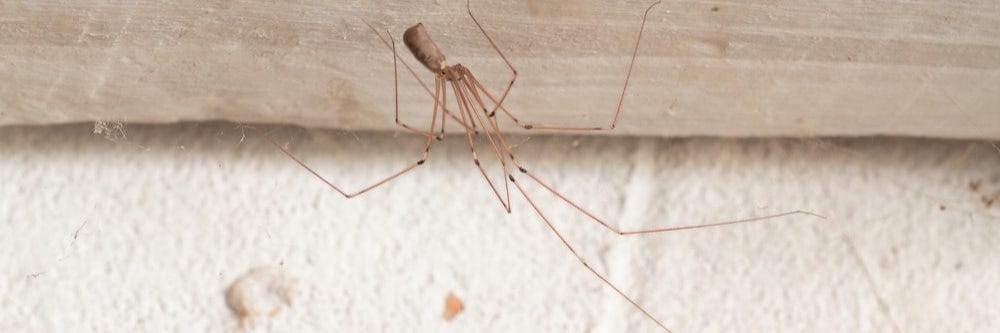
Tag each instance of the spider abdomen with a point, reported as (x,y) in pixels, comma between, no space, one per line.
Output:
(424,49)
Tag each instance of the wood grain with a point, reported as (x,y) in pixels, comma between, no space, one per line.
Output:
(753,68)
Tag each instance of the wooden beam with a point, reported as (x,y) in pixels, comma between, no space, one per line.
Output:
(752,68)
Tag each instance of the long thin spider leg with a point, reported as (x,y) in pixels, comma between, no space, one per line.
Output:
(443,86)
(582,260)
(423,158)
(437,90)
(621,98)
(467,92)
(606,225)
(513,76)
(414,74)
(616,230)
(493,126)
(490,129)
(631,63)
(365,189)
(464,109)
(883,305)
(603,223)
(439,84)
(395,83)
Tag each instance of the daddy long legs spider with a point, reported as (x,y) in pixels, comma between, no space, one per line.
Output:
(477,116)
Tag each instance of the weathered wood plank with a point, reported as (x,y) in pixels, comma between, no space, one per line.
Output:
(757,68)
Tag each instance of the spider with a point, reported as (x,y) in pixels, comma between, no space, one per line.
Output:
(478,118)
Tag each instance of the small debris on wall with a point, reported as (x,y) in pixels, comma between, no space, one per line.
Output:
(452,307)
(260,292)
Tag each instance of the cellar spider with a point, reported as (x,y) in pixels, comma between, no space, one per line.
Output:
(476,117)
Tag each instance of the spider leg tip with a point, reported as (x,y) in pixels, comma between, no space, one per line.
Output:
(811,213)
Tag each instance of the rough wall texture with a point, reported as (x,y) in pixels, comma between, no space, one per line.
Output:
(147,232)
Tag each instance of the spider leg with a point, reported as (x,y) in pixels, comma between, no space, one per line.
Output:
(414,74)
(395,83)
(513,71)
(489,127)
(423,158)
(608,226)
(621,98)
(584,261)
(619,231)
(465,107)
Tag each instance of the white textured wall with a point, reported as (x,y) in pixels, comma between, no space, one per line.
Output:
(172,215)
